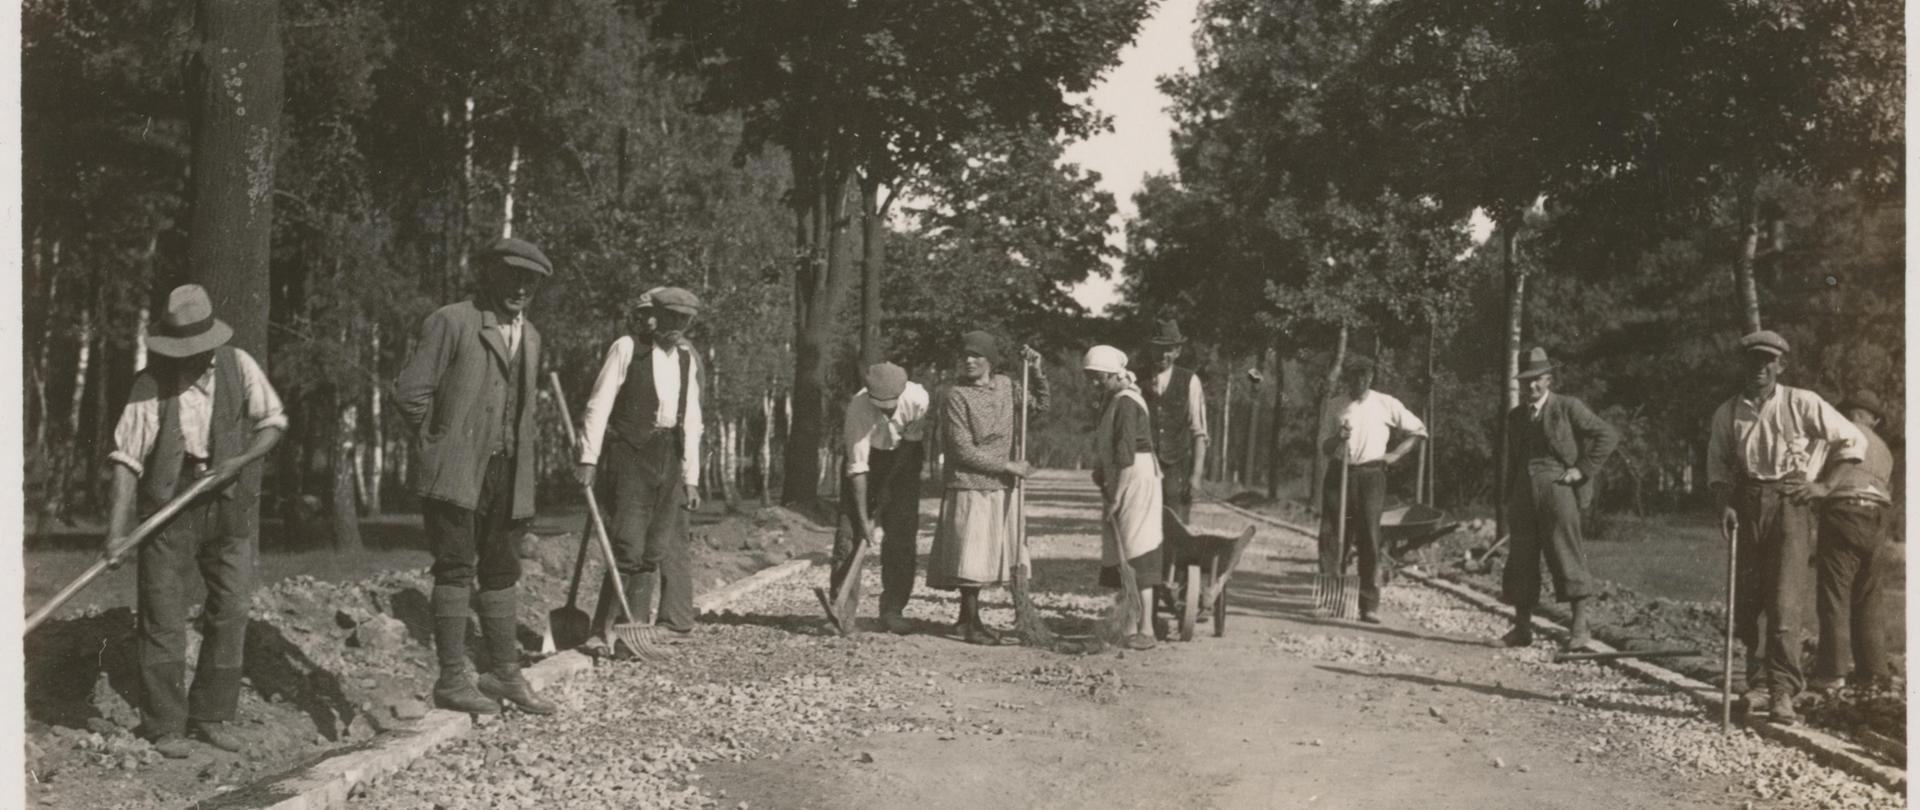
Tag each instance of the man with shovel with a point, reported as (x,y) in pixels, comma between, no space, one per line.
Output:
(885,431)
(468,393)
(1765,445)
(643,417)
(1358,426)
(203,409)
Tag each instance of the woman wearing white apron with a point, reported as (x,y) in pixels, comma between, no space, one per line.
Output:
(1128,473)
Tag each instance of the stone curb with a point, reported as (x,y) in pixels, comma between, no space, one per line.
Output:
(1834,752)
(328,783)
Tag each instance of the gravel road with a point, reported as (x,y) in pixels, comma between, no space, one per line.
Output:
(766,709)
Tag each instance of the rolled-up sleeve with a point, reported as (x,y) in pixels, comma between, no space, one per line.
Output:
(857,431)
(1720,446)
(139,422)
(1197,406)
(263,403)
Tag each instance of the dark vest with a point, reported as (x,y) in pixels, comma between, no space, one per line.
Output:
(507,437)
(1172,425)
(228,434)
(634,409)
(1535,449)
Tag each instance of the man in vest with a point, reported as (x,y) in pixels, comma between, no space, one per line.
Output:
(1359,424)
(643,424)
(468,393)
(1764,446)
(1558,446)
(203,409)
(1178,408)
(884,431)
(1855,515)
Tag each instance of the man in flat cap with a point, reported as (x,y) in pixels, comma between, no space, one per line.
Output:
(1359,425)
(885,431)
(1854,507)
(643,424)
(468,392)
(1764,445)
(203,409)
(1558,445)
(1177,406)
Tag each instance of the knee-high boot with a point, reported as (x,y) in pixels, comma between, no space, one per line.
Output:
(454,689)
(502,681)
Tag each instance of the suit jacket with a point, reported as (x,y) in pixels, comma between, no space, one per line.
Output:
(442,393)
(1576,435)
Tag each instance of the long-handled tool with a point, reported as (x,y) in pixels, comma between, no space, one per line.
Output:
(641,638)
(1026,615)
(568,626)
(1561,658)
(841,598)
(1480,564)
(112,556)
(1338,594)
(1726,666)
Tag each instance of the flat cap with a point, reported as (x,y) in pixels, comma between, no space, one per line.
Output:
(885,381)
(1765,340)
(984,344)
(519,253)
(672,298)
(1866,400)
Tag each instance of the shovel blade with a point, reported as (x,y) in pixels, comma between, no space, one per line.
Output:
(569,627)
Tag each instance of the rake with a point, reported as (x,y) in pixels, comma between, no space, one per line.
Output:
(642,639)
(1338,594)
(1026,615)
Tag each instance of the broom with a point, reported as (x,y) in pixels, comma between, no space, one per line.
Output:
(641,638)
(1026,616)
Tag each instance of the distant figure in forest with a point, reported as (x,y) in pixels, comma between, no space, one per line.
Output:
(202,410)
(1764,445)
(1855,506)
(468,393)
(1556,446)
(884,434)
(1359,426)
(1128,474)
(1177,404)
(972,547)
(643,423)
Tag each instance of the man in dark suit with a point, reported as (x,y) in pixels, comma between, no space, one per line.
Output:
(1558,445)
(468,392)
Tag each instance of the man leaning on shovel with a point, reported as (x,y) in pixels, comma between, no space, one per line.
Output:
(203,409)
(885,431)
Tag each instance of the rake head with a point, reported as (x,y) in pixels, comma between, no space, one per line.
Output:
(1336,595)
(642,641)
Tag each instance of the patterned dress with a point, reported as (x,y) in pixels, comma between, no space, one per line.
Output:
(971,545)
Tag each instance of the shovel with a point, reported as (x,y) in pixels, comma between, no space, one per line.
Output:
(569,626)
(843,606)
(640,638)
(113,556)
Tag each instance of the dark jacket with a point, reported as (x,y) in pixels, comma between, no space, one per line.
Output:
(1576,435)
(443,393)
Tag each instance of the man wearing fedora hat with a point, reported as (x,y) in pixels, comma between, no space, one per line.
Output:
(203,409)
(885,432)
(644,419)
(468,393)
(1558,445)
(1853,507)
(1177,407)
(1763,446)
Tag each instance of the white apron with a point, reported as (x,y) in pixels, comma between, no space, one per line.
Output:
(1136,504)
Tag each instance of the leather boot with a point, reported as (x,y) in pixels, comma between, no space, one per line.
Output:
(454,689)
(1522,633)
(502,681)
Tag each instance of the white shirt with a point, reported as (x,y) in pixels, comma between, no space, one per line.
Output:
(1538,406)
(1196,399)
(1794,430)
(139,424)
(1374,417)
(867,428)
(666,384)
(510,330)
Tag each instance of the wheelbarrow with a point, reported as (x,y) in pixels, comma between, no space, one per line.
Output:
(1202,565)
(1407,528)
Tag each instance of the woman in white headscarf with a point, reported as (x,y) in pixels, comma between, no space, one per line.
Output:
(1128,473)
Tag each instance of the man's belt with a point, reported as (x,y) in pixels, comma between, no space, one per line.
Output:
(1855,500)
(1367,465)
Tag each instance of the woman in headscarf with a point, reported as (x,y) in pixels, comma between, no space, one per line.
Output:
(972,547)
(1128,474)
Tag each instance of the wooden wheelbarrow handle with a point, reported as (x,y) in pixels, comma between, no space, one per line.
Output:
(112,556)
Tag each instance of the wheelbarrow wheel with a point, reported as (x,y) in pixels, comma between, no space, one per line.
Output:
(1190,609)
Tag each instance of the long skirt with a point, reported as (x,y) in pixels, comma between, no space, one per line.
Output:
(972,546)
(1136,528)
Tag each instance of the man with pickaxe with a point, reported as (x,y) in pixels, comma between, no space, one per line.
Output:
(202,410)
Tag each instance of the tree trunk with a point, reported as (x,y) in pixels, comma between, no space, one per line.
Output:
(1516,292)
(819,285)
(462,207)
(766,449)
(1223,467)
(1330,386)
(377,429)
(1252,459)
(346,511)
(1422,486)
(237,98)
(43,356)
(873,257)
(730,461)
(506,206)
(1749,247)
(1278,421)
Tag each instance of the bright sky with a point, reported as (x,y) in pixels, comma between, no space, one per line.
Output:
(1141,142)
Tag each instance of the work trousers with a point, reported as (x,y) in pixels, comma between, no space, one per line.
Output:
(1366,496)
(1775,580)
(897,472)
(1176,489)
(476,544)
(649,531)
(225,554)
(1851,606)
(1544,517)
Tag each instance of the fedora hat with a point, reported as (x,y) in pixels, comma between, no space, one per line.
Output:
(1167,333)
(1535,364)
(188,327)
